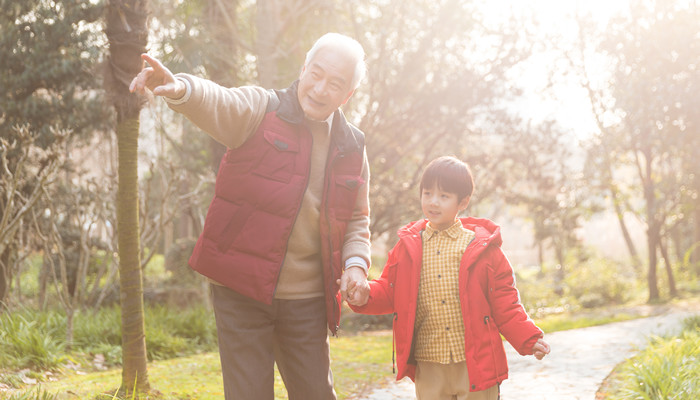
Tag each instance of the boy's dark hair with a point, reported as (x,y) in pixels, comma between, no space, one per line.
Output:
(450,174)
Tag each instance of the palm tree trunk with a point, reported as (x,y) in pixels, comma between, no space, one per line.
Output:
(127,32)
(134,359)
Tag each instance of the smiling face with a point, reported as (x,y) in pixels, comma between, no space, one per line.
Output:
(440,207)
(325,83)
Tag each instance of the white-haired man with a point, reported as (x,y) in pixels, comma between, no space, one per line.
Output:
(287,233)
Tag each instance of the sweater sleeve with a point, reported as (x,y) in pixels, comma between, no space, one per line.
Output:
(228,115)
(357,235)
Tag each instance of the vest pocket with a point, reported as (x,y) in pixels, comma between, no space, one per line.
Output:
(277,159)
(344,195)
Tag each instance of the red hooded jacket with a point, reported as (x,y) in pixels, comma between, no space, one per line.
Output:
(489,300)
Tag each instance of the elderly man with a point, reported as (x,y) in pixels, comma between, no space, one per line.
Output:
(288,229)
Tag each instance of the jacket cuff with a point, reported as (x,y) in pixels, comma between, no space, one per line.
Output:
(529,344)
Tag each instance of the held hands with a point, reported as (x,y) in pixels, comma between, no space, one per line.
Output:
(540,349)
(158,79)
(354,286)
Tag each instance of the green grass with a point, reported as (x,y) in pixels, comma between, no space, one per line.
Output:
(562,322)
(31,347)
(358,362)
(668,368)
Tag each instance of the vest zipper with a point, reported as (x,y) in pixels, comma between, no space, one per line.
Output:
(329,175)
(301,199)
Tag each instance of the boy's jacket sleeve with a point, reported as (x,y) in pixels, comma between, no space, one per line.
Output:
(508,312)
(381,297)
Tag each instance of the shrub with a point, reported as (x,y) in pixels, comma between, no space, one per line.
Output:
(667,369)
(176,261)
(26,343)
(196,324)
(35,394)
(98,328)
(596,282)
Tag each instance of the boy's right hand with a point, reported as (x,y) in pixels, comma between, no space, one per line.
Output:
(354,287)
(541,349)
(359,294)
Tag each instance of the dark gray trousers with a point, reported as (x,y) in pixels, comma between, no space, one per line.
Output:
(253,336)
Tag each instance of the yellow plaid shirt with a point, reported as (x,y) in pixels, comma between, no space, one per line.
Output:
(439,331)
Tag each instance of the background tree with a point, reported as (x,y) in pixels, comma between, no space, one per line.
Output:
(648,116)
(47,53)
(127,32)
(23,183)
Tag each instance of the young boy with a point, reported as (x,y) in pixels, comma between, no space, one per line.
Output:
(452,292)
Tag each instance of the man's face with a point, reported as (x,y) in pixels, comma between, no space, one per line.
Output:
(325,83)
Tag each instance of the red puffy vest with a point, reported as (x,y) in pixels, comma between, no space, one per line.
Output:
(259,189)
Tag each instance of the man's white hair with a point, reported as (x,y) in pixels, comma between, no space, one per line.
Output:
(349,46)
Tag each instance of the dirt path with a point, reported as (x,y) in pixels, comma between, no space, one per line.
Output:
(580,360)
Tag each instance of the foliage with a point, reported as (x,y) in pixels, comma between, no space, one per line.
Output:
(646,112)
(35,394)
(568,320)
(27,342)
(596,282)
(171,334)
(47,67)
(358,363)
(176,260)
(49,84)
(35,339)
(27,172)
(667,368)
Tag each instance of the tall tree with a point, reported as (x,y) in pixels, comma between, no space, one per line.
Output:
(127,32)
(47,53)
(648,114)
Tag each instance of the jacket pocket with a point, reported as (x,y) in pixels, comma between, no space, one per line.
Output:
(278,157)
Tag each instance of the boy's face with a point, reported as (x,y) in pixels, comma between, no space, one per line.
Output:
(440,207)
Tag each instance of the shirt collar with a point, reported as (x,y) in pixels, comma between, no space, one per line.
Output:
(453,231)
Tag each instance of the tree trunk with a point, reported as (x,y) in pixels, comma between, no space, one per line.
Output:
(695,247)
(267,24)
(673,292)
(5,276)
(127,33)
(652,281)
(134,358)
(637,264)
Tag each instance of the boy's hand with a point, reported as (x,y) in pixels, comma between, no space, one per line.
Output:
(540,349)
(354,287)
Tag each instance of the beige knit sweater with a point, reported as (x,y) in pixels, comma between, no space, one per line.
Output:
(230,116)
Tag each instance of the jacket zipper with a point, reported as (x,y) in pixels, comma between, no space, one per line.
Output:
(393,343)
(493,350)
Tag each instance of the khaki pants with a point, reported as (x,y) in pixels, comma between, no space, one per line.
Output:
(254,336)
(435,381)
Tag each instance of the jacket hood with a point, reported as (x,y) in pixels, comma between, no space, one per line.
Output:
(484,229)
